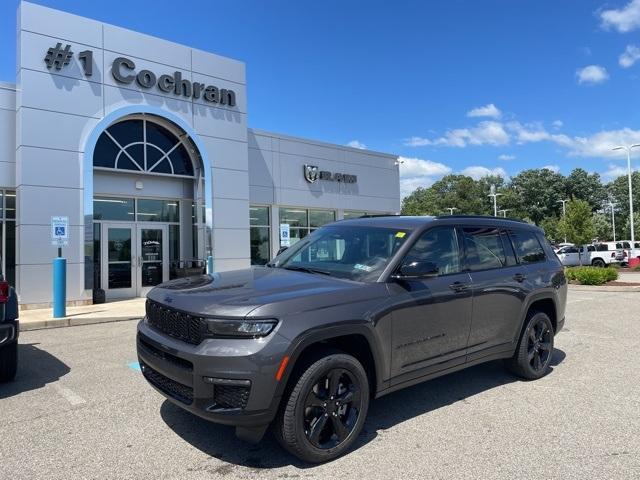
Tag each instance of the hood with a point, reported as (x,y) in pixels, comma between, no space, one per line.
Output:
(237,293)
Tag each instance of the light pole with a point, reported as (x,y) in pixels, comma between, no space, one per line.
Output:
(495,196)
(451,209)
(628,148)
(564,212)
(613,217)
(504,212)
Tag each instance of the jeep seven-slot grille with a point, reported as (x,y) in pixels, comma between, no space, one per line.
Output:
(170,387)
(230,396)
(174,323)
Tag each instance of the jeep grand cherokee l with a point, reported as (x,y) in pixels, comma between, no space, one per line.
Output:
(356,310)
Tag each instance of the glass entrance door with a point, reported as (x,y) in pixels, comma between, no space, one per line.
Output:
(118,267)
(153,257)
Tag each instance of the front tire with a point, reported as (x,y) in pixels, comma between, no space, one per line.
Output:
(326,409)
(8,362)
(598,262)
(535,348)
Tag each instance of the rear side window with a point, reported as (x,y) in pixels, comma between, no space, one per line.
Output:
(527,246)
(484,248)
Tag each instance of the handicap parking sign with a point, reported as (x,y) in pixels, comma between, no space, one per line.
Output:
(60,231)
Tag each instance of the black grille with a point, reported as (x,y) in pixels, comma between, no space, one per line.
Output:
(170,387)
(230,396)
(156,352)
(174,323)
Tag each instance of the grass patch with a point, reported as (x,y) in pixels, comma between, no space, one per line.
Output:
(591,275)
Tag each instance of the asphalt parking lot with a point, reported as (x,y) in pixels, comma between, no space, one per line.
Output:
(80,409)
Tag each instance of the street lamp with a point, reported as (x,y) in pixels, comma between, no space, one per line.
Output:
(451,209)
(613,217)
(564,212)
(628,148)
(504,212)
(495,196)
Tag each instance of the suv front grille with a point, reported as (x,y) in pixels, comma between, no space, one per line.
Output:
(170,387)
(174,323)
(230,396)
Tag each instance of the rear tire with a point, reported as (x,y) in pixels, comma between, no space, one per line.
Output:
(532,357)
(8,362)
(325,410)
(598,262)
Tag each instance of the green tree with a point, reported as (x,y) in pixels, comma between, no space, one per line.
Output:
(602,225)
(618,190)
(581,185)
(539,191)
(577,224)
(550,227)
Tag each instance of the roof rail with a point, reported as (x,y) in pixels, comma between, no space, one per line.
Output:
(483,217)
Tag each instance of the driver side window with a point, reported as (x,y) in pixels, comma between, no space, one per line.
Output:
(438,246)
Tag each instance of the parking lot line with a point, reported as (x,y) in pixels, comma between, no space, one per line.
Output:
(72,397)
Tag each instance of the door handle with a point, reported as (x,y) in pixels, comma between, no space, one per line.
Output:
(458,287)
(519,277)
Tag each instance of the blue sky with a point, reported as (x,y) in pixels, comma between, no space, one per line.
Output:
(450,85)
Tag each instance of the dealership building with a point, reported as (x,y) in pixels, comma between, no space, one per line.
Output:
(133,155)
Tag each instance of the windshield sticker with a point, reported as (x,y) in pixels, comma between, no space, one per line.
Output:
(400,234)
(366,268)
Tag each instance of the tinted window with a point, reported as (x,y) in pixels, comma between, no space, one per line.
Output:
(438,246)
(527,246)
(484,248)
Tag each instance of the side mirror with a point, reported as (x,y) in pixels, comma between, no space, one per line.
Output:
(282,249)
(417,270)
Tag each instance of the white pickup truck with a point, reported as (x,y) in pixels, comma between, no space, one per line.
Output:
(588,255)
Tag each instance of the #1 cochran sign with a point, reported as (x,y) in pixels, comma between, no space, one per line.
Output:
(60,231)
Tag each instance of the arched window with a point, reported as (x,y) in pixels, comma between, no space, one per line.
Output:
(141,145)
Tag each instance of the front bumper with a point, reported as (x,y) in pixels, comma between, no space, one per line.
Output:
(9,331)
(227,381)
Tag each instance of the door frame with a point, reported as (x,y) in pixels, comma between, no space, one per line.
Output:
(142,291)
(117,293)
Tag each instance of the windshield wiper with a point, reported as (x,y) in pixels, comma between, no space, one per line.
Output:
(298,268)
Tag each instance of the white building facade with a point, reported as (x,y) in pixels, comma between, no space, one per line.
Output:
(143,145)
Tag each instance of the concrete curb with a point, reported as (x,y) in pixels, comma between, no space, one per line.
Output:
(70,322)
(604,288)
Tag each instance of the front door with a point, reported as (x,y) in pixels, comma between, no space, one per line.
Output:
(432,316)
(153,257)
(134,260)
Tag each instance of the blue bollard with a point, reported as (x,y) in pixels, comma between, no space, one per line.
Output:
(59,287)
(209,264)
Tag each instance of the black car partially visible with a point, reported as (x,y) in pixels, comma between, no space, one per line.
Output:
(8,332)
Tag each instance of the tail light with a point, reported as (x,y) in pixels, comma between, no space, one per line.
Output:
(4,292)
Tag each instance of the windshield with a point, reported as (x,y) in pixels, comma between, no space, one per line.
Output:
(353,252)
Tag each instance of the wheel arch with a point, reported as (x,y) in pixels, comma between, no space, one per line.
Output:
(545,303)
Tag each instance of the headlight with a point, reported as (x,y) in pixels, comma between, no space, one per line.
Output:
(217,327)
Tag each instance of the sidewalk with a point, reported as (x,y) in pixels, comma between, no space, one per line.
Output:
(115,311)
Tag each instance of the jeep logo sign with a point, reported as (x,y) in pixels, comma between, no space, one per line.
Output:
(123,71)
(313,173)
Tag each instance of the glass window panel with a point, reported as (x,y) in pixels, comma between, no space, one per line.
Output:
(353,214)
(153,155)
(259,215)
(484,248)
(10,204)
(119,244)
(297,234)
(96,255)
(174,250)
(438,246)
(295,217)
(10,252)
(527,246)
(105,208)
(126,132)
(137,153)
(260,251)
(163,167)
(105,152)
(181,161)
(318,218)
(158,210)
(160,136)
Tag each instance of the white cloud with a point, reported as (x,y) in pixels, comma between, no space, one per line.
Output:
(557,124)
(356,144)
(485,133)
(489,110)
(416,172)
(553,168)
(624,19)
(416,142)
(630,56)
(477,172)
(506,157)
(614,172)
(592,75)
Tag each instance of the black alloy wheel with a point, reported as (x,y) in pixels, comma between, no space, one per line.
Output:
(532,357)
(331,409)
(539,345)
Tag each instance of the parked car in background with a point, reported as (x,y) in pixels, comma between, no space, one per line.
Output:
(355,310)
(558,246)
(625,246)
(8,331)
(597,255)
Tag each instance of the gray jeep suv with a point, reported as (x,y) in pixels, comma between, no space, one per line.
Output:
(358,309)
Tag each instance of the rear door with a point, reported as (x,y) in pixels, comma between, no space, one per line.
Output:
(498,291)
(431,316)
